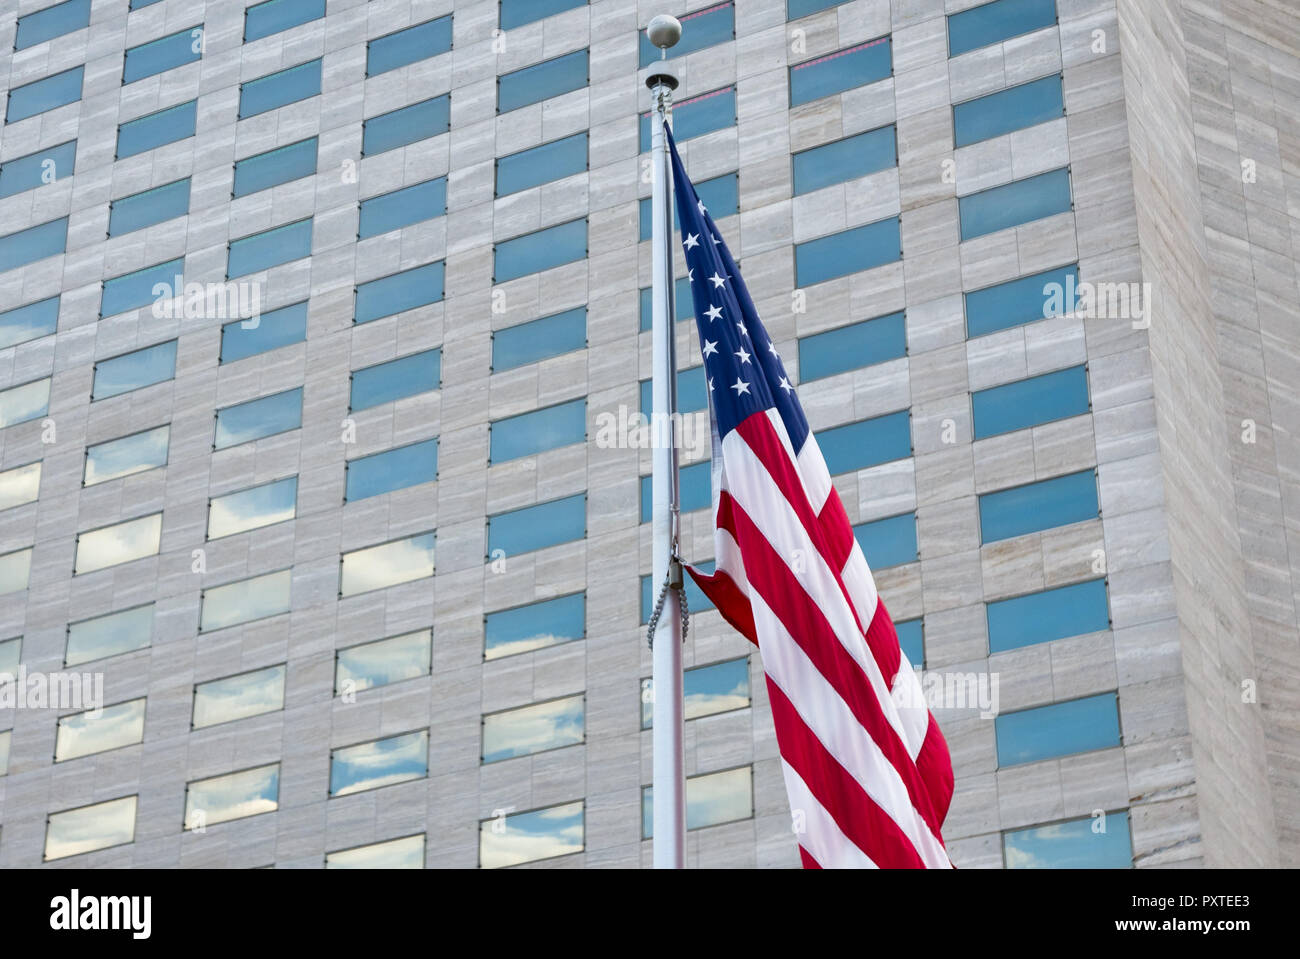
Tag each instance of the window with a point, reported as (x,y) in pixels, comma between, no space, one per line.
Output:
(278,89)
(388,564)
(538,340)
(138,4)
(252,508)
(408,46)
(801,8)
(76,831)
(888,542)
(10,654)
(1039,399)
(44,94)
(1017,108)
(703,28)
(695,597)
(37,169)
(244,601)
(1075,844)
(711,799)
(1038,506)
(866,443)
(1024,300)
(406,853)
(683,303)
(414,204)
(20,485)
(542,81)
(399,292)
(537,527)
(541,164)
(98,731)
(244,338)
(383,762)
(396,379)
(529,836)
(51,22)
(238,697)
(852,347)
(535,626)
(697,116)
(31,322)
(110,635)
(157,129)
(281,165)
(720,196)
(30,401)
(837,72)
(1023,201)
(419,121)
(256,419)
(34,243)
(15,568)
(391,470)
(1052,614)
(140,210)
(165,53)
(136,453)
(695,490)
(997,21)
(533,729)
(273,16)
(133,371)
(530,433)
(515,13)
(261,251)
(706,690)
(861,248)
(382,662)
(844,160)
(232,796)
(692,391)
(4,751)
(120,543)
(133,290)
(534,252)
(1058,729)
(911,639)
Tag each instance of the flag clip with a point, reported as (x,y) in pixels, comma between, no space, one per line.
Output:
(674,579)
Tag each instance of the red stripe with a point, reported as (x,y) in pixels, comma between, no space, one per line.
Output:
(730,601)
(808,861)
(935,766)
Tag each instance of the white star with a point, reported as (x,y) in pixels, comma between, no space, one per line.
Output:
(743,331)
(740,386)
(700,204)
(771,348)
(716,241)
(710,384)
(744,357)
(692,241)
(690,275)
(713,312)
(717,280)
(710,348)
(785,385)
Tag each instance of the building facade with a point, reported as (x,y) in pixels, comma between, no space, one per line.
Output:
(323,338)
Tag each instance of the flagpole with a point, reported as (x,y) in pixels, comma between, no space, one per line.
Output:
(669,761)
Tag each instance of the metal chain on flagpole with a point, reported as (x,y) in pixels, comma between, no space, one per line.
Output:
(673,580)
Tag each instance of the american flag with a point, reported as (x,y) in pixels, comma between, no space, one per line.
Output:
(866,768)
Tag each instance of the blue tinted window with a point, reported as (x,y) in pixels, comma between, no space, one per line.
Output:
(911,640)
(538,431)
(34,243)
(419,121)
(133,290)
(537,527)
(1052,614)
(515,13)
(852,347)
(1015,109)
(861,248)
(27,401)
(696,489)
(692,391)
(28,322)
(542,164)
(132,371)
(695,597)
(683,303)
(528,836)
(412,204)
(243,338)
(380,763)
(1039,399)
(539,339)
(1038,506)
(997,21)
(1021,202)
(1024,300)
(535,728)
(845,159)
(704,28)
(857,446)
(391,470)
(534,252)
(706,690)
(382,662)
(888,542)
(264,19)
(801,8)
(407,376)
(1077,844)
(697,116)
(37,169)
(44,94)
(711,799)
(137,4)
(165,53)
(277,89)
(398,49)
(51,22)
(1058,729)
(252,508)
(265,170)
(110,635)
(542,81)
(156,129)
(255,419)
(261,251)
(720,196)
(152,206)
(854,67)
(535,626)
(399,292)
(126,455)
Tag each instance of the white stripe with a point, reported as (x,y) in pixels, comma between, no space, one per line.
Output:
(860,584)
(912,707)
(821,834)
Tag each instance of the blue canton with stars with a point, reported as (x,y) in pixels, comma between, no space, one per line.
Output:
(744,372)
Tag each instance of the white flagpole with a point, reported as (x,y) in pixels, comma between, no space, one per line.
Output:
(669,762)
